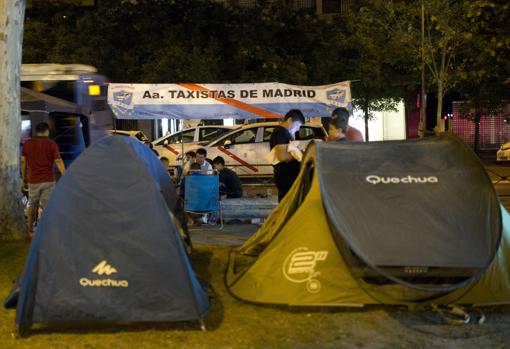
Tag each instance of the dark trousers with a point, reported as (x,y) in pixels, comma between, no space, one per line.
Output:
(284,177)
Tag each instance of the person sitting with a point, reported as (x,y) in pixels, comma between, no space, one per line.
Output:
(166,163)
(337,126)
(205,166)
(189,158)
(230,184)
(195,170)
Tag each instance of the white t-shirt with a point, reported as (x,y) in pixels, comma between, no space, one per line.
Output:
(206,168)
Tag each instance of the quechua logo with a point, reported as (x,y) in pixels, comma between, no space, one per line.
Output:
(103,268)
(374,179)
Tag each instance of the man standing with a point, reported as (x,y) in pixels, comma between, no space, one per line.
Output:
(39,154)
(205,166)
(353,134)
(230,184)
(287,168)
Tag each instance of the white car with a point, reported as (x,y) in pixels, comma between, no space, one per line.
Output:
(171,146)
(245,150)
(139,135)
(504,152)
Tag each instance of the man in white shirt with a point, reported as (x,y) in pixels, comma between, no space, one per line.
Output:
(205,166)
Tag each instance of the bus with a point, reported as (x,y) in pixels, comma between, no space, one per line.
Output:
(71,98)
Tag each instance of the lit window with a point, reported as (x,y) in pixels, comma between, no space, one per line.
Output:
(94,90)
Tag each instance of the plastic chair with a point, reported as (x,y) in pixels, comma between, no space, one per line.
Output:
(202,195)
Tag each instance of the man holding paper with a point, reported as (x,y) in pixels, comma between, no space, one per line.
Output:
(285,155)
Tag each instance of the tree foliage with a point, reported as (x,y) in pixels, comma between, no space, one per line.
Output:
(376,44)
(465,47)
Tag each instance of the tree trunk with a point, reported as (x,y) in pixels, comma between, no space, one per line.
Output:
(439,119)
(12,220)
(365,109)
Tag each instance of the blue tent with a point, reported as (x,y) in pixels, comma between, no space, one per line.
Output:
(108,247)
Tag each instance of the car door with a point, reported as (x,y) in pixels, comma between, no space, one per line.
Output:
(263,150)
(239,151)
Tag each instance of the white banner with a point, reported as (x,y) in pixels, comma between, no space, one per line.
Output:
(219,101)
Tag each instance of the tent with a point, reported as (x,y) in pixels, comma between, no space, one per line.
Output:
(108,247)
(401,222)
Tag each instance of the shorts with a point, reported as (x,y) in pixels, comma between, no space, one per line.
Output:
(39,193)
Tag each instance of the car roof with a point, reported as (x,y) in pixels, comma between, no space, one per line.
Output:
(125,132)
(216,126)
(276,123)
(194,128)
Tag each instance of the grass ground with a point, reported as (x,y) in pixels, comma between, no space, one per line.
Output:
(234,324)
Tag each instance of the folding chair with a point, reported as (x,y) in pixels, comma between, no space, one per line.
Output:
(202,195)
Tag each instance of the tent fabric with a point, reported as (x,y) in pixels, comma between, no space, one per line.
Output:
(295,258)
(464,232)
(108,247)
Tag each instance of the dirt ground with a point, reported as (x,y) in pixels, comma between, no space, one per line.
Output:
(235,324)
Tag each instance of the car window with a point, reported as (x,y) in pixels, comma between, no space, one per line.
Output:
(209,133)
(304,133)
(244,136)
(240,137)
(141,137)
(187,137)
(307,133)
(171,139)
(268,131)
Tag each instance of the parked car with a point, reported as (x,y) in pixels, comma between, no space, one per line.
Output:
(245,150)
(135,134)
(171,146)
(503,153)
